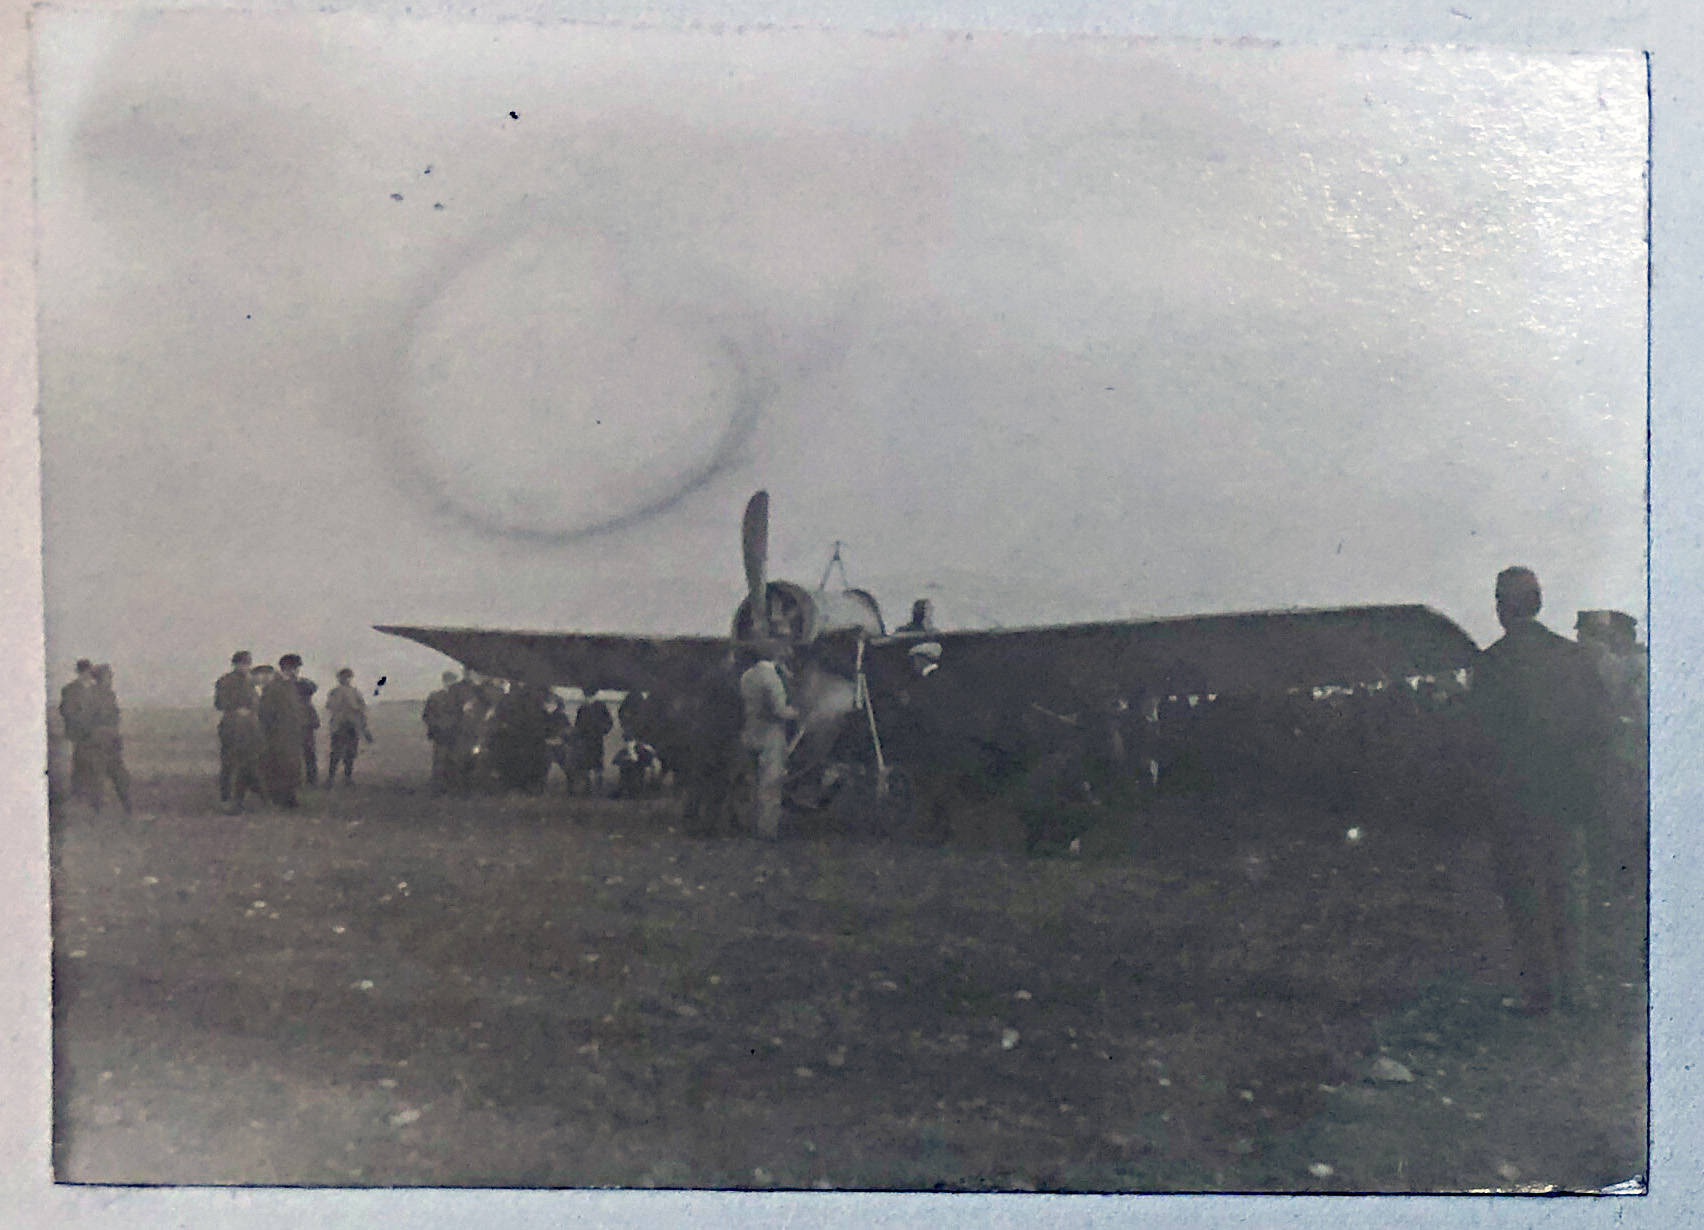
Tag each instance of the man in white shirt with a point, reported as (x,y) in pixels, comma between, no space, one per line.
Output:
(763,697)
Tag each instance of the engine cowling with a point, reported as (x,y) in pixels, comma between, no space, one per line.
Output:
(801,616)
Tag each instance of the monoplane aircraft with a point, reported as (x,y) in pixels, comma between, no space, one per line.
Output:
(984,708)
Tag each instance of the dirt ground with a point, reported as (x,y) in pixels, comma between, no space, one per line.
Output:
(384,988)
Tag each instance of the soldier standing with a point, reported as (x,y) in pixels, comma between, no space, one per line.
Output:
(1543,718)
(763,699)
(479,723)
(346,713)
(263,676)
(442,716)
(591,725)
(470,728)
(559,740)
(520,739)
(310,752)
(73,705)
(283,718)
(235,698)
(100,716)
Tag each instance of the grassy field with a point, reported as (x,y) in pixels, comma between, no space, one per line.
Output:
(387,988)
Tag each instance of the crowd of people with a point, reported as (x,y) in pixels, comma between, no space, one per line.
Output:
(1552,725)
(268,729)
(488,733)
(485,732)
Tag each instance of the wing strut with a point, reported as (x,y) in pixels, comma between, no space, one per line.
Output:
(863,701)
(829,570)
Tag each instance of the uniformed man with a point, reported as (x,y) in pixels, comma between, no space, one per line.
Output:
(310,751)
(442,716)
(235,698)
(73,704)
(767,712)
(346,715)
(559,739)
(643,724)
(481,764)
(1542,715)
(283,719)
(520,752)
(592,725)
(912,733)
(470,728)
(100,716)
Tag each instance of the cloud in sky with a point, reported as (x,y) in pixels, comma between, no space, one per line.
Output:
(350,321)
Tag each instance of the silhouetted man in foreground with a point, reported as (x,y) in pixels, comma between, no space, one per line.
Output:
(1542,714)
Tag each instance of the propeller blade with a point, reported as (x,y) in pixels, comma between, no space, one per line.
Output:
(754,543)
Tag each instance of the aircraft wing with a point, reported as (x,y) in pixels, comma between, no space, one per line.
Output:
(1056,666)
(594,662)
(1063,666)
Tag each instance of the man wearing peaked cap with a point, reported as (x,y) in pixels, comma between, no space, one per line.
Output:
(235,698)
(73,714)
(283,717)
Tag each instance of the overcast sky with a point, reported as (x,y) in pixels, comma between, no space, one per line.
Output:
(348,321)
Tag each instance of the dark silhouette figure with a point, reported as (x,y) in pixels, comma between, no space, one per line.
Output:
(1542,720)
(240,738)
(310,736)
(97,719)
(74,706)
(442,716)
(283,718)
(591,725)
(520,751)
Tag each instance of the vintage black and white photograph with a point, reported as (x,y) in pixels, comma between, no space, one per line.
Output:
(806,610)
